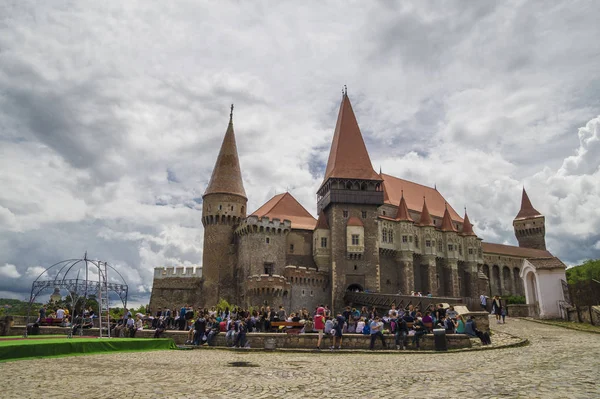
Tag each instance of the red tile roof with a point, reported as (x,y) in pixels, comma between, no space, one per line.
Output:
(354,221)
(393,188)
(467,228)
(227,176)
(447,224)
(425,217)
(322,222)
(527,210)
(403,214)
(511,250)
(547,263)
(348,157)
(286,207)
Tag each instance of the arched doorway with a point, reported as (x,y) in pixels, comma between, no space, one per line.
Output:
(531,292)
(355,288)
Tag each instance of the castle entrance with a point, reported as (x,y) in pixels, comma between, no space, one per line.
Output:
(355,288)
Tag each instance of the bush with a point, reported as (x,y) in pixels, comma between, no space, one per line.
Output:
(515,300)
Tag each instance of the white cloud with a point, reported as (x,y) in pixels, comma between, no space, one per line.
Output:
(9,271)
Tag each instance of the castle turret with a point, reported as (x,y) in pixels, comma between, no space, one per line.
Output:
(530,225)
(351,190)
(451,240)
(404,257)
(428,252)
(224,206)
(322,243)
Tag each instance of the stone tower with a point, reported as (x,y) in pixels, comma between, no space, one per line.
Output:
(530,225)
(223,207)
(349,197)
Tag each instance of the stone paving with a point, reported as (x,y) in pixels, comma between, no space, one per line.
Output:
(558,363)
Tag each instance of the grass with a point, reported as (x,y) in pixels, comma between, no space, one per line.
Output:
(60,340)
(572,325)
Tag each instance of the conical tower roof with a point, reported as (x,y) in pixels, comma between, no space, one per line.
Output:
(527,210)
(348,157)
(467,228)
(425,219)
(322,222)
(447,222)
(403,214)
(227,176)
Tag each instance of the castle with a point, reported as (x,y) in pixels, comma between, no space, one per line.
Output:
(374,233)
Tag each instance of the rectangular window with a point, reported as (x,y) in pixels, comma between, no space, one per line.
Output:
(440,246)
(364,214)
(450,248)
(323,242)
(417,241)
(404,239)
(427,243)
(470,251)
(410,239)
(384,235)
(391,236)
(269,269)
(459,249)
(355,239)
(345,214)
(267,240)
(292,248)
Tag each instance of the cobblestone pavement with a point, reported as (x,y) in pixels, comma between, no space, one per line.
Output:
(559,363)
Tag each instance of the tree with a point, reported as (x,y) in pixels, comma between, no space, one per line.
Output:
(590,269)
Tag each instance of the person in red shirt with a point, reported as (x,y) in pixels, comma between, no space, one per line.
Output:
(319,322)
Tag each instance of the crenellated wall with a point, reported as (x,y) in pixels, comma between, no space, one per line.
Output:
(176,286)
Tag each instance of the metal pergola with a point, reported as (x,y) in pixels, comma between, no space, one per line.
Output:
(75,276)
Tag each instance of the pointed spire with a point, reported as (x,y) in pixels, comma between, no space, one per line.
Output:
(348,157)
(447,221)
(425,219)
(403,214)
(322,222)
(227,176)
(527,210)
(467,228)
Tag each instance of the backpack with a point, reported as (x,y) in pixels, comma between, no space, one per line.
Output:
(367,329)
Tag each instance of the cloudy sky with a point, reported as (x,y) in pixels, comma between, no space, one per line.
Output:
(112,113)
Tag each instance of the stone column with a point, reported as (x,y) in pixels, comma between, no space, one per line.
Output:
(405,264)
(429,263)
(472,269)
(454,286)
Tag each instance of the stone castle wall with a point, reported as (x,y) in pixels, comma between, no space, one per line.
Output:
(174,287)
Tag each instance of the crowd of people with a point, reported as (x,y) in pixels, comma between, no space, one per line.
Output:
(202,325)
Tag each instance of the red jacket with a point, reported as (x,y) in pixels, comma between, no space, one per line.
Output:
(319,322)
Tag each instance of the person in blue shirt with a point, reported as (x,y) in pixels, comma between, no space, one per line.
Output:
(338,328)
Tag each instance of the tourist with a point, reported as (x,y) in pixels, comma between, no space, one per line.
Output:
(60,313)
(182,318)
(240,339)
(230,335)
(360,326)
(483,301)
(460,324)
(42,314)
(376,328)
(497,306)
(338,327)
(470,327)
(427,320)
(450,326)
(392,310)
(319,322)
(440,312)
(199,329)
(213,331)
(160,328)
(328,325)
(355,314)
(364,313)
(451,313)
(347,313)
(373,313)
(420,330)
(503,314)
(401,332)
(308,326)
(281,314)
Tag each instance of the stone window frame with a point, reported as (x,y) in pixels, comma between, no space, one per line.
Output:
(417,241)
(383,235)
(450,247)
(440,246)
(267,240)
(428,243)
(291,248)
(269,267)
(391,236)
(410,238)
(470,251)
(345,213)
(323,242)
(405,238)
(364,214)
(460,249)
(355,239)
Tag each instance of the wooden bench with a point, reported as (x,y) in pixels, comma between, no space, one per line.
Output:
(295,327)
(49,321)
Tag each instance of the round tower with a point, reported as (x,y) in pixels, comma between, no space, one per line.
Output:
(223,207)
(530,225)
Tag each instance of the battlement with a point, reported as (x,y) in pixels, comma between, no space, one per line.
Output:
(179,272)
(254,224)
(306,275)
(263,284)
